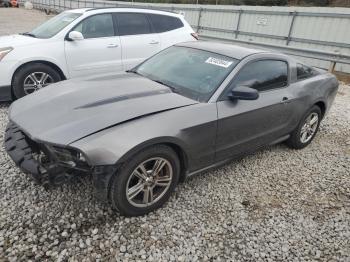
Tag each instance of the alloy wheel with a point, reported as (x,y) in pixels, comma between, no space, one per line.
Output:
(36,81)
(309,128)
(149,182)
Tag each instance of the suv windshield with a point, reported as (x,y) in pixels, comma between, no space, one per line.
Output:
(190,72)
(54,25)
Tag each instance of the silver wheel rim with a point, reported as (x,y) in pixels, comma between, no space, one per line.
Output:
(36,81)
(308,130)
(149,182)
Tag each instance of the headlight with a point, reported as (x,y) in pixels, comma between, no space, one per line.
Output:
(4,51)
(67,154)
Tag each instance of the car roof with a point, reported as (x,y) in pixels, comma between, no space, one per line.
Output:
(234,51)
(123,9)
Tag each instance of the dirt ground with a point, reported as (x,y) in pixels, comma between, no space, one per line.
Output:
(19,20)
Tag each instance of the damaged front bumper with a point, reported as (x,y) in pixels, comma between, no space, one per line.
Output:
(51,165)
(46,164)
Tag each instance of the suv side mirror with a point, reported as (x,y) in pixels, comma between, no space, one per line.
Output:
(244,93)
(75,36)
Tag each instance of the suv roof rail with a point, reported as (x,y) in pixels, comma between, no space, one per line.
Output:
(131,7)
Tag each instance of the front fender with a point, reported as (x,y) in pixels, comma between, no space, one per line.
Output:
(41,51)
(185,128)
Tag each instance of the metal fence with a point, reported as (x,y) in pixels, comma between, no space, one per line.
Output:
(317,35)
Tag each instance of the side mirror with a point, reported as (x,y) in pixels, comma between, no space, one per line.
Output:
(75,36)
(244,93)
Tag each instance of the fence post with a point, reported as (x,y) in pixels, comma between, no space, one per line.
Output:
(332,67)
(238,22)
(199,19)
(291,27)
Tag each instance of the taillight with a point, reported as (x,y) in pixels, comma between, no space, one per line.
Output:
(195,35)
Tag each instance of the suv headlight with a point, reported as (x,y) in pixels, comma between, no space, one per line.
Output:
(4,51)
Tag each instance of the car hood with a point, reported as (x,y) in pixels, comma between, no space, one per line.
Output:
(70,110)
(17,40)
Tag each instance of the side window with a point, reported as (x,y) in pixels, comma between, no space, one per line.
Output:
(164,23)
(96,26)
(263,75)
(304,72)
(132,24)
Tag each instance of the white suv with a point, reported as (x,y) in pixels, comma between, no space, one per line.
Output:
(83,42)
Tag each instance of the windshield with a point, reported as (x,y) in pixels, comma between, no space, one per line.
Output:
(190,72)
(54,25)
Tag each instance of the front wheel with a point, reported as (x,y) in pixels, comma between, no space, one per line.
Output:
(306,130)
(33,77)
(145,182)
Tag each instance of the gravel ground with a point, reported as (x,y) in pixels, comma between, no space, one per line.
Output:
(278,204)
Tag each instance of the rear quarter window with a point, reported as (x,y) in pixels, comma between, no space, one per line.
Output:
(164,23)
(304,72)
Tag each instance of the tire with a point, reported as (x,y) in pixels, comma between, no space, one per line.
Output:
(295,140)
(24,72)
(123,179)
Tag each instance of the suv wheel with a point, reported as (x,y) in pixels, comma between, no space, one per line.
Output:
(145,182)
(33,77)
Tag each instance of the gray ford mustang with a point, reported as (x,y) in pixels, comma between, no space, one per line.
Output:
(189,108)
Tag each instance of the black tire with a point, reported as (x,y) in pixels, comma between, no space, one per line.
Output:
(26,70)
(118,184)
(6,5)
(295,139)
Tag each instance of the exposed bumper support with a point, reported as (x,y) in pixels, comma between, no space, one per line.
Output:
(28,156)
(21,153)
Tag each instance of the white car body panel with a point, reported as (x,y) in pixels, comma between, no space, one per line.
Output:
(93,56)
(87,56)
(132,54)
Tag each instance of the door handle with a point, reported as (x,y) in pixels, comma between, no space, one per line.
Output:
(154,42)
(112,45)
(285,100)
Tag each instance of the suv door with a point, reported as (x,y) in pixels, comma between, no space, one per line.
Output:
(137,38)
(245,125)
(170,29)
(99,51)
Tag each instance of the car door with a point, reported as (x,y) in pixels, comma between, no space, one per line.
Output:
(171,30)
(137,38)
(99,51)
(245,125)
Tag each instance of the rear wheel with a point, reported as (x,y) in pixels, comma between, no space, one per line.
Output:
(306,130)
(145,182)
(33,77)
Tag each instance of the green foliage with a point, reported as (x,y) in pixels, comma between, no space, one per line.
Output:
(265,2)
(315,2)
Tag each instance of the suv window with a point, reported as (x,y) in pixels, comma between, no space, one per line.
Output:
(304,72)
(164,23)
(96,26)
(263,75)
(132,24)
